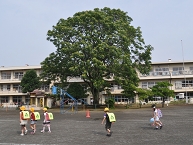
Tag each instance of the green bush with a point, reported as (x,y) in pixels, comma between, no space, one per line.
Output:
(110,102)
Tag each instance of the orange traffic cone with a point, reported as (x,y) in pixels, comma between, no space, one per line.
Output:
(87,114)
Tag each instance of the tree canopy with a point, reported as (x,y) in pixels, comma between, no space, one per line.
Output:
(95,44)
(30,81)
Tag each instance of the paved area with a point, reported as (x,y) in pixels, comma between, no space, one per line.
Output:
(132,128)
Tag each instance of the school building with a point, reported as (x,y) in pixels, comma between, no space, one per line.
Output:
(179,74)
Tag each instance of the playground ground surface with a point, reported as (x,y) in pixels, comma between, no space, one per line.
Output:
(131,128)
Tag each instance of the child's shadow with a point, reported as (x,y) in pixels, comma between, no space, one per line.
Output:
(147,127)
(98,133)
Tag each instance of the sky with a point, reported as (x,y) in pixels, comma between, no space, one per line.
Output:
(167,25)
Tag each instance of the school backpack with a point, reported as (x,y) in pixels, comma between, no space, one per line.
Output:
(37,115)
(25,115)
(49,116)
(111,117)
(159,112)
(32,116)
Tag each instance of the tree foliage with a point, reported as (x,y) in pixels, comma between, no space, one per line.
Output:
(161,89)
(77,91)
(95,44)
(30,81)
(144,93)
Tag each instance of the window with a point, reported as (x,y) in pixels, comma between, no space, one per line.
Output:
(4,99)
(121,99)
(178,68)
(18,75)
(158,69)
(5,75)
(151,84)
(5,87)
(27,100)
(17,88)
(162,69)
(144,85)
(178,84)
(165,69)
(17,99)
(187,83)
(46,88)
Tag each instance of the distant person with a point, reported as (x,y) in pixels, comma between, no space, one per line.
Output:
(91,101)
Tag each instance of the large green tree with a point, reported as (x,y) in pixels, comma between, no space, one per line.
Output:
(161,89)
(30,81)
(95,44)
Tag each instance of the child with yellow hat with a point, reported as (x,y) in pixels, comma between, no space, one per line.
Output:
(108,123)
(46,122)
(23,120)
(33,121)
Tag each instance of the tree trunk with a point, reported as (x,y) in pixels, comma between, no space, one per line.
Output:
(163,102)
(95,94)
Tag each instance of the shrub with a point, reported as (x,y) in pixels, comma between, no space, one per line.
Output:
(110,102)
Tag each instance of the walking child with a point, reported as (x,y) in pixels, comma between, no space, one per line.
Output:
(33,121)
(108,123)
(157,121)
(46,122)
(24,116)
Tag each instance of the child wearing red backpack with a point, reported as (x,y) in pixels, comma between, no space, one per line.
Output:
(46,122)
(33,121)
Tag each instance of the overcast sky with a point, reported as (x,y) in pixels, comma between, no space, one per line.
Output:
(167,25)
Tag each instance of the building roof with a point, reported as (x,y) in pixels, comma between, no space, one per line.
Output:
(172,62)
(27,67)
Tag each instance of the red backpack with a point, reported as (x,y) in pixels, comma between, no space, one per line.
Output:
(47,118)
(32,116)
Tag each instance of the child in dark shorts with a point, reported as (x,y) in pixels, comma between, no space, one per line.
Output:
(108,123)
(46,122)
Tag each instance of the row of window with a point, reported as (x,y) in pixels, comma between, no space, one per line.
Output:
(16,75)
(17,100)
(174,68)
(167,73)
(18,88)
(178,84)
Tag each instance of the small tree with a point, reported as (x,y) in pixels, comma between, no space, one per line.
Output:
(144,94)
(30,81)
(161,89)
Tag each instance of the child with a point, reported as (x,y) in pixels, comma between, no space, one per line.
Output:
(33,121)
(46,121)
(108,123)
(157,121)
(23,122)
